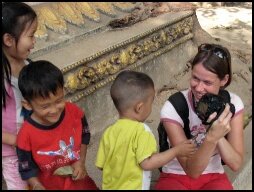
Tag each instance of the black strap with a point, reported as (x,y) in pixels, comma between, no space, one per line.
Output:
(180,104)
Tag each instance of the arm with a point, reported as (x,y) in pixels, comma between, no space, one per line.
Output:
(232,148)
(8,138)
(28,168)
(157,160)
(196,164)
(79,171)
(35,184)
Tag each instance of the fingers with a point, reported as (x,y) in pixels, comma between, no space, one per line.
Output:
(211,117)
(78,175)
(225,114)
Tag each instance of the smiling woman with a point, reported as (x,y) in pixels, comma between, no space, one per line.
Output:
(211,72)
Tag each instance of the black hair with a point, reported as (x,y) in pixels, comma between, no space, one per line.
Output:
(130,87)
(15,17)
(215,58)
(39,79)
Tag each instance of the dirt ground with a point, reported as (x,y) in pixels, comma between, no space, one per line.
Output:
(232,25)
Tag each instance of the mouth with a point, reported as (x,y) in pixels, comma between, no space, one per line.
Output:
(56,116)
(198,96)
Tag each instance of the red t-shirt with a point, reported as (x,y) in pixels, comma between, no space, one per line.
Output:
(52,147)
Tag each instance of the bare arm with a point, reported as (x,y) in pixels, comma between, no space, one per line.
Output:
(35,184)
(157,160)
(196,164)
(232,148)
(9,138)
(79,170)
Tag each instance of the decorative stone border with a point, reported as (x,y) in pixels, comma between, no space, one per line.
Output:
(87,75)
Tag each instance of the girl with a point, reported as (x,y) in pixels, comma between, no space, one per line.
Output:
(19,23)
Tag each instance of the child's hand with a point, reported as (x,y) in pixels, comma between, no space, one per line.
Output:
(39,187)
(79,170)
(185,149)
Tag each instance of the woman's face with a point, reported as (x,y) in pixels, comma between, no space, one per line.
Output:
(203,81)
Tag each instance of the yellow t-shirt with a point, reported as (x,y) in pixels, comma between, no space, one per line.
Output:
(123,146)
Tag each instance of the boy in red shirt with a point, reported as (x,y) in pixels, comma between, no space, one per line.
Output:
(54,135)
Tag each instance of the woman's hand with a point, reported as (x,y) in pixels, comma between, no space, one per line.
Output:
(221,126)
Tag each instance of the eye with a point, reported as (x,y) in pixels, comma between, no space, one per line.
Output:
(195,78)
(44,106)
(208,83)
(59,100)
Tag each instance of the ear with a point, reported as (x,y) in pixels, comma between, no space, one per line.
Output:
(26,104)
(224,80)
(139,107)
(8,40)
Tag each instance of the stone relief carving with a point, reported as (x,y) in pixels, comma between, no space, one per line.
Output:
(55,16)
(102,68)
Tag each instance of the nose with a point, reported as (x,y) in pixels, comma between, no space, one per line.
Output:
(200,86)
(53,109)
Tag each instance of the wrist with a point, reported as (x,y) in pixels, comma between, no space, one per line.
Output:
(36,185)
(175,151)
(209,138)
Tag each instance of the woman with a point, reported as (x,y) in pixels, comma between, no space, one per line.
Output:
(211,72)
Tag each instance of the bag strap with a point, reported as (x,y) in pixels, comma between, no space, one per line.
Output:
(180,104)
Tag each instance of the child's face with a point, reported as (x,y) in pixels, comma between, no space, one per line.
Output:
(47,111)
(147,106)
(26,41)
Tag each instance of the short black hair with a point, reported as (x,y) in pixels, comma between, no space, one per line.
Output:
(130,87)
(39,79)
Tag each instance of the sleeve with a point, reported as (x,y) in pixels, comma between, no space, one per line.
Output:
(78,114)
(85,131)
(237,101)
(27,166)
(168,113)
(146,144)
(101,153)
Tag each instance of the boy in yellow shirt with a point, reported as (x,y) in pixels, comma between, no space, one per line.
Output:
(128,151)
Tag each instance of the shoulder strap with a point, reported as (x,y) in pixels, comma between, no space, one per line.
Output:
(180,104)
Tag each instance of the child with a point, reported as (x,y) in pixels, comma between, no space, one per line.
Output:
(19,23)
(127,149)
(55,135)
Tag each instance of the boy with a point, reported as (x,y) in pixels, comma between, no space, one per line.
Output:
(54,135)
(127,149)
